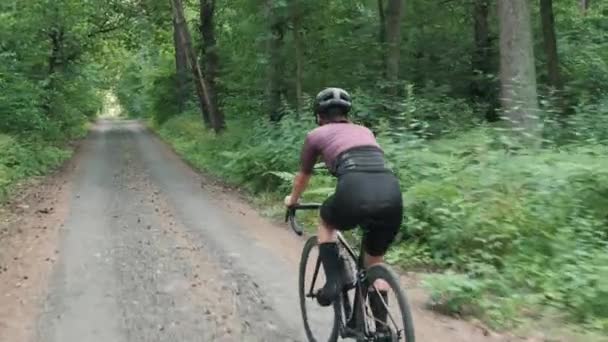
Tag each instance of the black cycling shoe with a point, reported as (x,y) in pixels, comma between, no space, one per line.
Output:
(327,294)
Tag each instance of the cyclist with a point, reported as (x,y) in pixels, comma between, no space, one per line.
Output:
(367,193)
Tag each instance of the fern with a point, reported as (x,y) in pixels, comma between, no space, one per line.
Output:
(282,175)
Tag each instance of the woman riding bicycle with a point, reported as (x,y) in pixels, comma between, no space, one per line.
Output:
(367,193)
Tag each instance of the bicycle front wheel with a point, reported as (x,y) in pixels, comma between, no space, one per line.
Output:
(320,323)
(389,309)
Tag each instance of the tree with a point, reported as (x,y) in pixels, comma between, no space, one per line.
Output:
(202,87)
(181,69)
(276,62)
(73,29)
(382,31)
(394,12)
(211,59)
(481,87)
(296,17)
(550,44)
(481,30)
(517,70)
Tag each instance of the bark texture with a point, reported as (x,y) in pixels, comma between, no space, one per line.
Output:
(394,13)
(517,70)
(211,60)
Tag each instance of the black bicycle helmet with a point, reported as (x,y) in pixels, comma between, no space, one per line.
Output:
(332,97)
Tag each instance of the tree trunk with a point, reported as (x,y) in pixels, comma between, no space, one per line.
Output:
(206,106)
(275,68)
(481,54)
(297,41)
(482,87)
(382,20)
(55,66)
(550,42)
(56,37)
(585,6)
(382,34)
(181,70)
(211,59)
(394,12)
(517,71)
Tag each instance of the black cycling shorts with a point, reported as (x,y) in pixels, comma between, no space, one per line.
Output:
(371,200)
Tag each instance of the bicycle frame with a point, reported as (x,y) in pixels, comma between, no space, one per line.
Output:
(360,289)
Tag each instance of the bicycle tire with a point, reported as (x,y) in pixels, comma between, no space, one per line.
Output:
(383,272)
(310,244)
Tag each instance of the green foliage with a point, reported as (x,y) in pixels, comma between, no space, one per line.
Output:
(148,91)
(49,71)
(520,231)
(454,293)
(524,219)
(54,68)
(590,124)
(23,160)
(582,41)
(251,155)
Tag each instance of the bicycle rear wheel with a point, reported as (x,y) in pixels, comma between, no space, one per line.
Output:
(321,324)
(397,323)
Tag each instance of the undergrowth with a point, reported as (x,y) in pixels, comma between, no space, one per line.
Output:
(519,232)
(20,160)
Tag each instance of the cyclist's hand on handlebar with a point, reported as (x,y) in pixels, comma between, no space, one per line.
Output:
(289,201)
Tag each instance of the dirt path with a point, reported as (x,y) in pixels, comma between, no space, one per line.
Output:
(138,247)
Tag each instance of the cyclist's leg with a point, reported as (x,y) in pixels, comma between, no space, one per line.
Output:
(377,240)
(378,237)
(383,218)
(381,229)
(326,233)
(328,250)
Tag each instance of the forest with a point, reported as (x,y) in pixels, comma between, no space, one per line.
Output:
(493,113)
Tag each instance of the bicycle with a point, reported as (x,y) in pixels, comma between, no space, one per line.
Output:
(351,319)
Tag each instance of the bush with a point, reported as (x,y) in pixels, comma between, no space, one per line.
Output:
(19,106)
(519,230)
(20,160)
(536,221)
(250,154)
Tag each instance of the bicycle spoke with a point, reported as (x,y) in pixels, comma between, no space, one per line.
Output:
(314,278)
(388,312)
(392,322)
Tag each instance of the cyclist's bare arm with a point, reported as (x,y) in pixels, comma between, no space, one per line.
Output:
(300,183)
